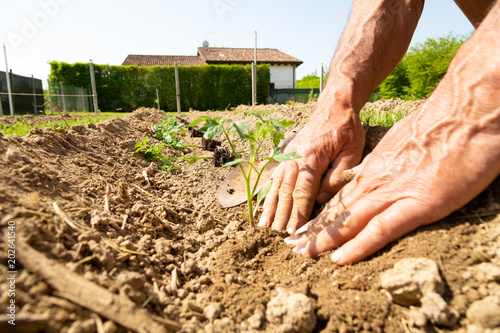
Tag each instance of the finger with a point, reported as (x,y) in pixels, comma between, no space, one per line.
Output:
(271,201)
(285,197)
(314,227)
(332,181)
(345,227)
(304,196)
(384,228)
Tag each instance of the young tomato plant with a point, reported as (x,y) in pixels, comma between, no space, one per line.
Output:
(270,129)
(154,152)
(166,130)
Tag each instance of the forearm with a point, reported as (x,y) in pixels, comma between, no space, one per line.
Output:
(374,41)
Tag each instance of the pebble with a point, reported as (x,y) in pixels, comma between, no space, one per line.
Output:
(229,278)
(212,311)
(410,279)
(485,312)
(291,312)
(486,272)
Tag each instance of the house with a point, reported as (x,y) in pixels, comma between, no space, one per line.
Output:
(282,66)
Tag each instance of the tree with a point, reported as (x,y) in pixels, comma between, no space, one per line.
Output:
(395,85)
(422,68)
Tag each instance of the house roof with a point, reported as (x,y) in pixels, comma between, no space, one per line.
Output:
(218,55)
(161,60)
(214,55)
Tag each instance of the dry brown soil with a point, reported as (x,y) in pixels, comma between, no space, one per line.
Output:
(178,255)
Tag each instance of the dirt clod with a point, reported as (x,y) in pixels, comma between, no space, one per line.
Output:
(412,278)
(291,312)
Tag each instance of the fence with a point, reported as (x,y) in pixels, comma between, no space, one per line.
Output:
(281,96)
(27,94)
(68,97)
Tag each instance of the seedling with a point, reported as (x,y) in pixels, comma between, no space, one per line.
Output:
(238,130)
(166,132)
(154,152)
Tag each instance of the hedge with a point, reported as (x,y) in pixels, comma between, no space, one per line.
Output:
(205,87)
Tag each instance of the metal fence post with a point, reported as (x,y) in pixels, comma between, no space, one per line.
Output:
(63,99)
(321,80)
(94,90)
(9,88)
(34,96)
(157,99)
(177,88)
(50,98)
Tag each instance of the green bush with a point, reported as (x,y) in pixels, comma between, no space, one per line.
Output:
(202,87)
(421,69)
(310,81)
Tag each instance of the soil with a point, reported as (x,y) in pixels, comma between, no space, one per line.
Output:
(32,120)
(163,242)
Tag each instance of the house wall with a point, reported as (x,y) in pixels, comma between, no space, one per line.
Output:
(282,76)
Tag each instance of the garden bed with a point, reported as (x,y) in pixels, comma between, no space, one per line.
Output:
(124,235)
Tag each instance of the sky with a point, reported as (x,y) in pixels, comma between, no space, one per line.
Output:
(36,32)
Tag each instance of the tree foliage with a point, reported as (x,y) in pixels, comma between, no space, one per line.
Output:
(310,81)
(422,68)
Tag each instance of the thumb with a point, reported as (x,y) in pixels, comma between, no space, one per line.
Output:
(339,173)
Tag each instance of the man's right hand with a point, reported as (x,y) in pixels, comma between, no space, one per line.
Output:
(330,143)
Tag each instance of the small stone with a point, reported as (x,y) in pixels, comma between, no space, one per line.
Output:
(229,278)
(417,317)
(485,312)
(188,267)
(109,327)
(204,279)
(134,279)
(291,312)
(436,309)
(163,246)
(255,321)
(410,279)
(138,209)
(205,222)
(221,325)
(212,311)
(182,293)
(486,272)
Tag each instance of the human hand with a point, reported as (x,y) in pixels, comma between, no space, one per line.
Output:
(423,169)
(330,143)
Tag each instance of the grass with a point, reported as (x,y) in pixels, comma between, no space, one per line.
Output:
(384,118)
(22,127)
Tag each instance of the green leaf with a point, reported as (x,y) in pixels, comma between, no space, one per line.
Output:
(236,161)
(166,164)
(285,123)
(262,193)
(241,128)
(281,157)
(211,131)
(195,122)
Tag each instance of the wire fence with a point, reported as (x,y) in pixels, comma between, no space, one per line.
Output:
(27,96)
(69,98)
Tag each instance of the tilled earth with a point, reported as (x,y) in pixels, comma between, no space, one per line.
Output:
(105,242)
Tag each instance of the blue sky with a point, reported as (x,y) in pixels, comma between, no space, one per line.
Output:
(38,31)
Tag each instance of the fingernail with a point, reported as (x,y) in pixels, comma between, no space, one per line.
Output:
(300,249)
(337,255)
(301,229)
(291,239)
(290,231)
(263,221)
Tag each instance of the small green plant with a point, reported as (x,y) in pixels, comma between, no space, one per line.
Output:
(239,130)
(167,130)
(154,152)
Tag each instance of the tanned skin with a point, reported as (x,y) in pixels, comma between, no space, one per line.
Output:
(428,165)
